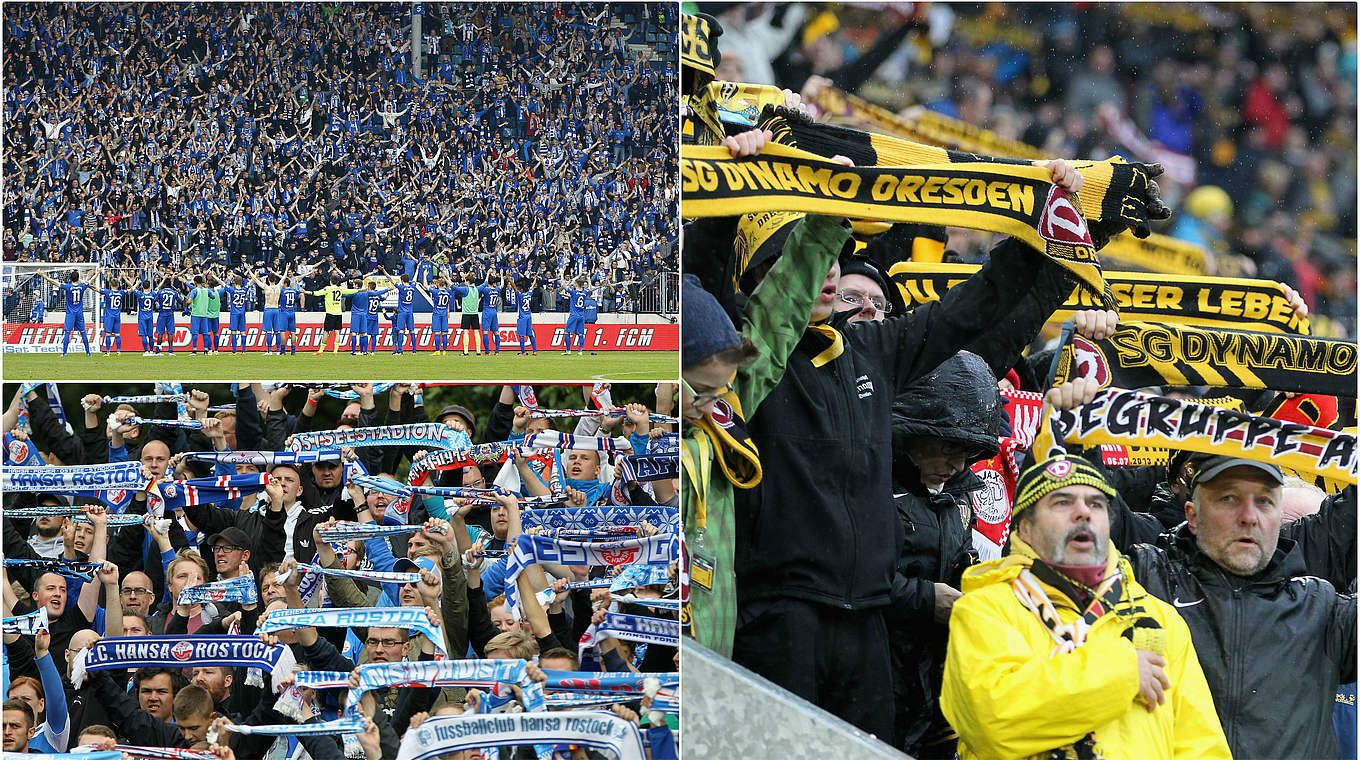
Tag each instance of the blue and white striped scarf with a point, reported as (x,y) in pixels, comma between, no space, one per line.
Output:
(421,434)
(552,439)
(345,531)
(561,413)
(657,603)
(186,424)
(265,458)
(662,548)
(447,673)
(410,618)
(646,468)
(376,576)
(241,590)
(346,724)
(120,653)
(592,518)
(176,494)
(592,682)
(26,625)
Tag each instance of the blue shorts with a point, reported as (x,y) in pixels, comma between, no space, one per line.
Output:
(165,323)
(75,320)
(576,323)
(196,325)
(491,320)
(373,327)
(237,323)
(524,327)
(440,323)
(271,320)
(405,321)
(288,321)
(146,324)
(113,323)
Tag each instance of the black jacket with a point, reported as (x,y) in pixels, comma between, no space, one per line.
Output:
(1276,644)
(957,402)
(821,526)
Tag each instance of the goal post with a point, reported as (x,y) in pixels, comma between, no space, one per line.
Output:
(23,288)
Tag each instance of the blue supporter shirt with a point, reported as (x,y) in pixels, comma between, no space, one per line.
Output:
(491,298)
(112,302)
(406,298)
(235,299)
(166,298)
(577,298)
(288,300)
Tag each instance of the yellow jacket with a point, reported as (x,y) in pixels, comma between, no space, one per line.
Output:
(1007,697)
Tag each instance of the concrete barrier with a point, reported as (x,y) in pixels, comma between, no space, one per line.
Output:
(731,713)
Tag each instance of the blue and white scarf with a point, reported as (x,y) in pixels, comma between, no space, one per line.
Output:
(662,549)
(410,618)
(638,628)
(526,395)
(346,724)
(593,518)
(122,521)
(592,682)
(634,576)
(444,673)
(551,439)
(186,424)
(177,494)
(124,652)
(22,453)
(560,413)
(646,468)
(447,735)
(265,458)
(75,479)
(351,395)
(77,755)
(71,569)
(32,513)
(240,590)
(421,434)
(177,398)
(345,530)
(375,576)
(661,603)
(26,625)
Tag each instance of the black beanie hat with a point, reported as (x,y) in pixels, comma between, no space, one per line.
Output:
(704,327)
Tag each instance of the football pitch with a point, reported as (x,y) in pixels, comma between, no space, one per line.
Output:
(509,366)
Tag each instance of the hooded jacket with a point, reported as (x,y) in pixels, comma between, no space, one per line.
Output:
(1011,696)
(957,402)
(822,526)
(1274,647)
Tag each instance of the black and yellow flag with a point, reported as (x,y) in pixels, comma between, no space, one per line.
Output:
(1016,200)
(1224,302)
(1144,354)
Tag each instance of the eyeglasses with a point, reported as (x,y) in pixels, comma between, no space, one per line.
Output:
(707,398)
(475,483)
(227,548)
(856,298)
(136,592)
(384,643)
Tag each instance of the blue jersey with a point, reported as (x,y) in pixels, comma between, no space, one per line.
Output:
(166,298)
(75,296)
(577,297)
(112,301)
(443,298)
(235,299)
(358,305)
(288,299)
(39,309)
(146,302)
(406,298)
(375,301)
(491,298)
(524,302)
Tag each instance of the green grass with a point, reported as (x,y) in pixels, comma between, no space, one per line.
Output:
(548,366)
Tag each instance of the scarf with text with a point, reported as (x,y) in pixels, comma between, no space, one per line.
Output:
(265,458)
(1118,416)
(562,413)
(376,576)
(66,568)
(586,519)
(447,735)
(1224,302)
(480,454)
(639,628)
(409,618)
(594,682)
(345,530)
(447,673)
(1142,354)
(1016,200)
(422,434)
(647,468)
(120,653)
(135,420)
(77,479)
(239,590)
(26,625)
(155,398)
(660,549)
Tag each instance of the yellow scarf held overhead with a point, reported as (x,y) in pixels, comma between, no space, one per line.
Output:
(1012,199)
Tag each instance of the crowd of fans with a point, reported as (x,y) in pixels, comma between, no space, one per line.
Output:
(457,546)
(1260,99)
(844,455)
(249,135)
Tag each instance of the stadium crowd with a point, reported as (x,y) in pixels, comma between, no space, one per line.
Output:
(236,515)
(904,515)
(256,135)
(1252,109)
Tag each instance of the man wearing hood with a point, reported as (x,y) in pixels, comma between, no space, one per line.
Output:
(941,424)
(1057,650)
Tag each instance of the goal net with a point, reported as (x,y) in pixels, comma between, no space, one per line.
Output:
(24,290)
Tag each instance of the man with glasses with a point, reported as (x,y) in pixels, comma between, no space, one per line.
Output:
(229,552)
(138,598)
(862,289)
